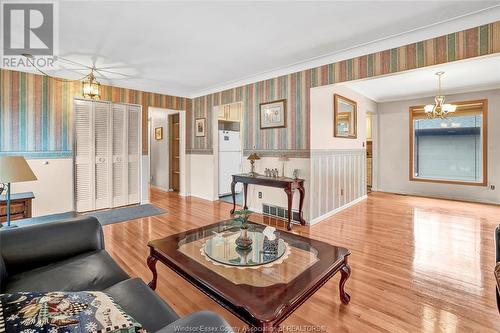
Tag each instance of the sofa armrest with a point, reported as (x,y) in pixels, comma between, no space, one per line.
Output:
(203,321)
(29,247)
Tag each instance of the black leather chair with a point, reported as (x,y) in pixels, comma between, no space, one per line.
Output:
(70,256)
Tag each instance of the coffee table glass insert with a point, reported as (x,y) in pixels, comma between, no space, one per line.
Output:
(222,248)
(283,270)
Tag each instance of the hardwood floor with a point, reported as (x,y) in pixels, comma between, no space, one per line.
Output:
(418,264)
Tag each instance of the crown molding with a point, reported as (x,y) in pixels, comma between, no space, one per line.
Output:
(459,23)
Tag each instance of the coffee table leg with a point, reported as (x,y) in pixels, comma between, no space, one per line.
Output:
(152,266)
(345,272)
(263,327)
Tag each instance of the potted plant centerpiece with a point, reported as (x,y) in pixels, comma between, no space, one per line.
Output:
(243,242)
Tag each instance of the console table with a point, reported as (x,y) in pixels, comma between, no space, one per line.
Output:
(289,185)
(20,206)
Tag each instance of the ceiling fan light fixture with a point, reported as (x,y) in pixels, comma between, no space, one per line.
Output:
(90,86)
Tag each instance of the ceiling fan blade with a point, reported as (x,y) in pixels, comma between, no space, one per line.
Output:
(113,67)
(100,70)
(74,62)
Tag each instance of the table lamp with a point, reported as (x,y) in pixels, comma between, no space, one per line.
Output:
(252,158)
(14,169)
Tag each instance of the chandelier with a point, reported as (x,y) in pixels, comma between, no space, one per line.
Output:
(90,86)
(440,109)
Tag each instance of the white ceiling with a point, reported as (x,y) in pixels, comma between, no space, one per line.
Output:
(193,48)
(461,76)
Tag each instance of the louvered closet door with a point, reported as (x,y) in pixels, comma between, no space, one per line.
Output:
(120,155)
(134,153)
(102,140)
(84,155)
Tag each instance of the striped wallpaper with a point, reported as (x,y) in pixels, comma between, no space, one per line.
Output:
(294,138)
(35,112)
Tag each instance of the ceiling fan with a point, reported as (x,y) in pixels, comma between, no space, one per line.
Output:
(90,84)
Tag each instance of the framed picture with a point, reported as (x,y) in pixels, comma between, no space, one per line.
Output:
(159,133)
(344,117)
(273,114)
(200,126)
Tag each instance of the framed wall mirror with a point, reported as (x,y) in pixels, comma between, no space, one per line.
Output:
(344,117)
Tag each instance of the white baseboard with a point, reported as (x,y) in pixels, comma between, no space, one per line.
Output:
(437,196)
(202,197)
(337,210)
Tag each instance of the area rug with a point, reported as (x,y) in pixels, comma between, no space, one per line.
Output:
(110,216)
(229,198)
(126,213)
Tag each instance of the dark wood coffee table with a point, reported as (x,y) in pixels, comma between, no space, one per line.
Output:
(262,296)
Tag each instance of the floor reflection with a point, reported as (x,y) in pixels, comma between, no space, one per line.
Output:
(448,246)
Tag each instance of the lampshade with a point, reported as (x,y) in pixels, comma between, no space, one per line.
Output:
(253,157)
(14,169)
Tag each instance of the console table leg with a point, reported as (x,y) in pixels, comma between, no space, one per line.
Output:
(345,272)
(289,193)
(152,266)
(245,188)
(302,193)
(233,193)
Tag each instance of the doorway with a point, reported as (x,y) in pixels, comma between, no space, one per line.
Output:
(371,129)
(174,156)
(166,156)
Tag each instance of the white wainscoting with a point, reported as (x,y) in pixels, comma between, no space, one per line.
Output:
(338,180)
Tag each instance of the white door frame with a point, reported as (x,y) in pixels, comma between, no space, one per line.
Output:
(182,149)
(374,120)
(215,140)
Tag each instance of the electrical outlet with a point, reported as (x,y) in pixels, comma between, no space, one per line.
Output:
(342,192)
(260,195)
(492,187)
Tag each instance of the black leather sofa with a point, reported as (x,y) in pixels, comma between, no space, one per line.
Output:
(497,266)
(70,256)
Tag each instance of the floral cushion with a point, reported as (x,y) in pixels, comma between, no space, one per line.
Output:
(63,312)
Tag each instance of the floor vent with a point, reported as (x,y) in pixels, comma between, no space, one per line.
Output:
(279,212)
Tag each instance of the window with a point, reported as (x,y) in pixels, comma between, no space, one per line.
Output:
(451,150)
